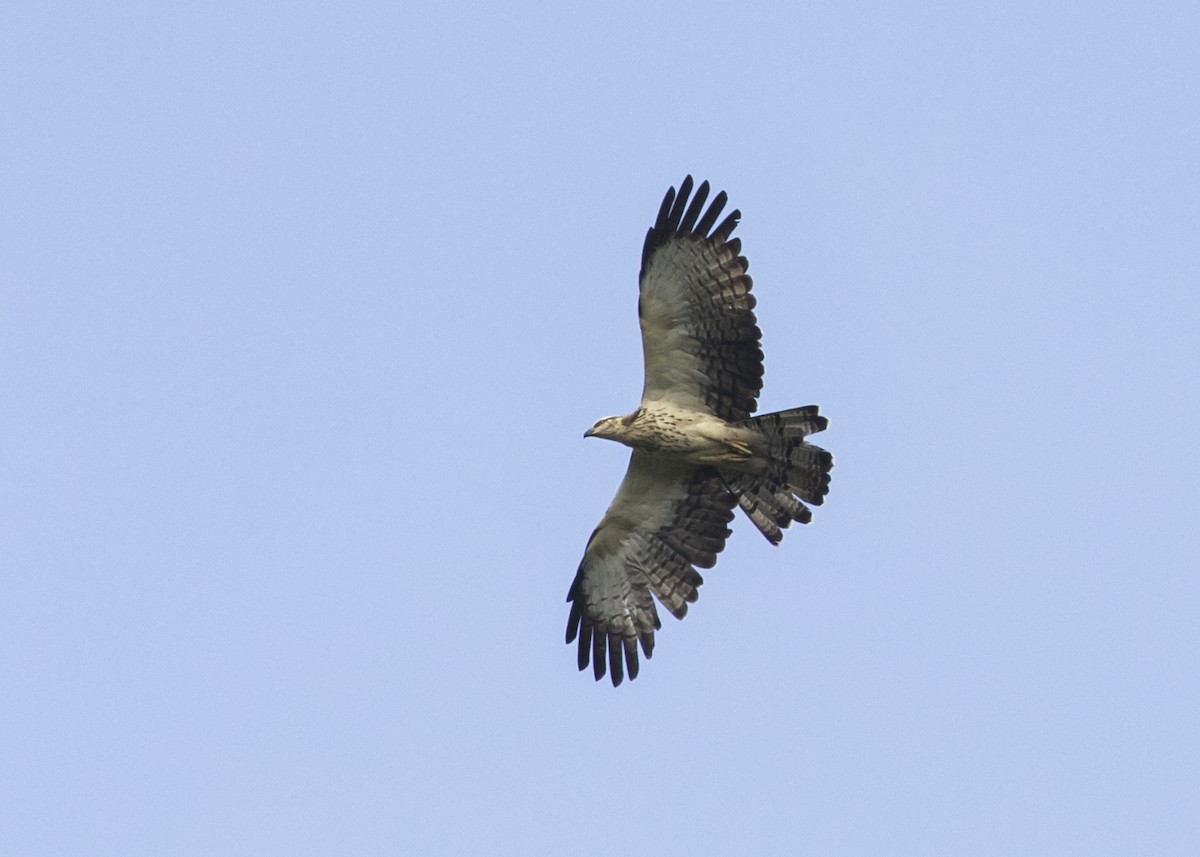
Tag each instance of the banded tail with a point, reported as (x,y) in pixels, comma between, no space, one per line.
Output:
(787,471)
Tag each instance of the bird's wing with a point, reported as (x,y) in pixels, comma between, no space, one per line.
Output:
(667,517)
(700,338)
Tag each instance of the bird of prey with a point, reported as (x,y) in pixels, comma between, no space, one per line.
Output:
(697,451)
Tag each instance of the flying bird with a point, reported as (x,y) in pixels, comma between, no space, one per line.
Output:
(697,451)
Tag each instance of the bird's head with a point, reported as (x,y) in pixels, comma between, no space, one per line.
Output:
(610,428)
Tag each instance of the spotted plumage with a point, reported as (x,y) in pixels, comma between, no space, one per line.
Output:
(697,450)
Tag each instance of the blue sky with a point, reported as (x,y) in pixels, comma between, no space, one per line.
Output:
(304,311)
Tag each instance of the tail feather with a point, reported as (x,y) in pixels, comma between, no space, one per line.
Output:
(787,471)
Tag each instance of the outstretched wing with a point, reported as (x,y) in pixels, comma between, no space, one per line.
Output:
(700,338)
(667,517)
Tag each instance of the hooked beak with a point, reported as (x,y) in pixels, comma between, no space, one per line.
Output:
(588,433)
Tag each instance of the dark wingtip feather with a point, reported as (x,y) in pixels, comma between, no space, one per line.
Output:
(615,668)
(693,210)
(710,216)
(631,656)
(727,225)
(647,641)
(664,210)
(573,622)
(585,645)
(676,213)
(598,641)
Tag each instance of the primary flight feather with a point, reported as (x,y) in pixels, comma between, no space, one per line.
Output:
(697,451)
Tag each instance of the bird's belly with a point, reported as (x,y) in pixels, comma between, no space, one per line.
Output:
(698,438)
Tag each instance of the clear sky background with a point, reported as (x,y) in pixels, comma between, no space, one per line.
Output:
(304,311)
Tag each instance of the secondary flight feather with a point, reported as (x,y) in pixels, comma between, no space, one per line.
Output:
(698,452)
